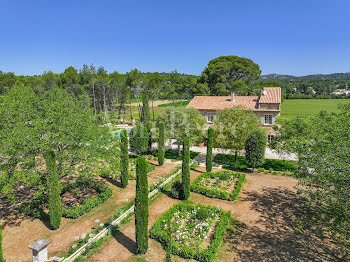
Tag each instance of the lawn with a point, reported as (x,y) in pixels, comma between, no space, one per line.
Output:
(292,107)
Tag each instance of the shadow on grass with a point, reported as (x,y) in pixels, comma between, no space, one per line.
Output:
(274,236)
(127,242)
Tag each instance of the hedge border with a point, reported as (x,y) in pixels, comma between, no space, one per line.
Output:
(182,250)
(215,193)
(32,209)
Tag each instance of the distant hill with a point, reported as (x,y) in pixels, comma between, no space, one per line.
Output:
(332,77)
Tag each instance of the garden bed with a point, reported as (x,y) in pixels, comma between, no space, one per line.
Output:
(77,198)
(241,164)
(225,185)
(196,231)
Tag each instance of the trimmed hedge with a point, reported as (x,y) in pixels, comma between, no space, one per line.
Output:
(35,209)
(157,232)
(274,164)
(198,187)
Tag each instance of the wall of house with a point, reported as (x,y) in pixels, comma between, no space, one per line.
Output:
(269,106)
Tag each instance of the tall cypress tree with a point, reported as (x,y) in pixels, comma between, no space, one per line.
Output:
(141,206)
(186,169)
(255,148)
(209,159)
(55,207)
(161,144)
(124,163)
(2,259)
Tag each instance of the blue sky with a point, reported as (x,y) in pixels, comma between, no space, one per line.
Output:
(288,37)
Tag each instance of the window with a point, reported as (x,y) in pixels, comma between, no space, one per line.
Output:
(269,139)
(211,117)
(268,119)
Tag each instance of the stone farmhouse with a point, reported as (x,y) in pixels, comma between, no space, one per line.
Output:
(267,106)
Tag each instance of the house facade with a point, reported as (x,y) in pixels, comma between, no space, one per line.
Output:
(267,106)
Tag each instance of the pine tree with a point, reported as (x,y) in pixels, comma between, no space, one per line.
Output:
(2,259)
(186,169)
(145,117)
(161,144)
(55,208)
(209,159)
(124,164)
(255,148)
(141,206)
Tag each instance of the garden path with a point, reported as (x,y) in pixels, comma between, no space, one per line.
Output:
(265,231)
(19,236)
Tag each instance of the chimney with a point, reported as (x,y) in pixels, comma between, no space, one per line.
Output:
(264,92)
(232,96)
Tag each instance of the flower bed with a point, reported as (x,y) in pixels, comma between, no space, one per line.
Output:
(73,210)
(223,184)
(196,231)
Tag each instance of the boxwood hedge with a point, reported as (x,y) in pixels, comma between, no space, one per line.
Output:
(198,187)
(189,252)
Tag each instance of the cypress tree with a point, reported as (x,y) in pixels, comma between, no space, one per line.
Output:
(255,148)
(141,206)
(139,139)
(168,243)
(161,144)
(2,259)
(124,164)
(186,169)
(55,207)
(209,159)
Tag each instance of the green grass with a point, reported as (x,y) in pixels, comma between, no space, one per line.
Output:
(176,104)
(293,107)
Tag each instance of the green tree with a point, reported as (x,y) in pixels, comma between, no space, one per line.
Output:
(323,167)
(161,144)
(32,123)
(139,139)
(124,161)
(186,169)
(255,147)
(181,122)
(54,191)
(2,259)
(225,74)
(209,157)
(141,206)
(232,126)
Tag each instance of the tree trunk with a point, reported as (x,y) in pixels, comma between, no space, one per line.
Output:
(152,109)
(236,155)
(178,148)
(93,92)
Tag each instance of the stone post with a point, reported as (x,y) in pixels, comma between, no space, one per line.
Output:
(39,249)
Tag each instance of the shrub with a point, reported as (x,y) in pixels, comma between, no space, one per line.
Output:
(176,190)
(161,144)
(186,169)
(141,207)
(2,259)
(261,169)
(255,148)
(55,207)
(124,162)
(139,139)
(209,157)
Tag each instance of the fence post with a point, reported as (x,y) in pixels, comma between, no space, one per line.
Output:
(39,249)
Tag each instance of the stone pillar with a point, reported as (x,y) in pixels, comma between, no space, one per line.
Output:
(39,249)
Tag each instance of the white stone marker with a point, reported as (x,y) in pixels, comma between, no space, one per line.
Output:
(39,249)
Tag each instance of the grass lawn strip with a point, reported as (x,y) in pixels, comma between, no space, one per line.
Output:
(224,185)
(196,231)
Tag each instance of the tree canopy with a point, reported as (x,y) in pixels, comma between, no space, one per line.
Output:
(226,74)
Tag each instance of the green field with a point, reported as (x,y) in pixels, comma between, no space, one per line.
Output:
(292,107)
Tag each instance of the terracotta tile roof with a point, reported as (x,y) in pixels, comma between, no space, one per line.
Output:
(270,95)
(222,102)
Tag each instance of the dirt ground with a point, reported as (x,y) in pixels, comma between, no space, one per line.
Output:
(265,217)
(20,233)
